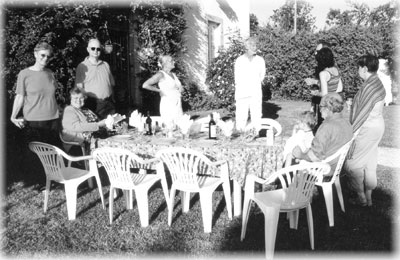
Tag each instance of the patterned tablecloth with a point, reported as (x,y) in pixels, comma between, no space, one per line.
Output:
(243,156)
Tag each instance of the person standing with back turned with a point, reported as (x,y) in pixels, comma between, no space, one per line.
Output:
(249,74)
(94,75)
(366,116)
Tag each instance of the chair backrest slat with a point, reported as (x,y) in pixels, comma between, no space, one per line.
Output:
(340,156)
(118,164)
(51,159)
(185,165)
(298,182)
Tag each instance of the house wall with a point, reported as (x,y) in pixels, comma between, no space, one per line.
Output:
(232,18)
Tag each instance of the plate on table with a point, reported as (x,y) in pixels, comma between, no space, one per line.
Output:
(122,136)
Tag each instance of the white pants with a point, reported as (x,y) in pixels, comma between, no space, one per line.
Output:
(243,105)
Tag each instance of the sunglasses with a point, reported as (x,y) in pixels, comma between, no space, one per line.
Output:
(95,49)
(44,56)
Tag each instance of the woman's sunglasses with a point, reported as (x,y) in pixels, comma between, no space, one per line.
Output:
(95,49)
(44,56)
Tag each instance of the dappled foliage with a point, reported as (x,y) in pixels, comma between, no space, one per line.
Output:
(68,28)
(220,75)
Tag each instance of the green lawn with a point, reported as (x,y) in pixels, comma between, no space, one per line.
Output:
(28,232)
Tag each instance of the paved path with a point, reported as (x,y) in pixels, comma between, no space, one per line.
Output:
(389,157)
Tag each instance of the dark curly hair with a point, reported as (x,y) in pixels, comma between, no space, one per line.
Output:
(325,58)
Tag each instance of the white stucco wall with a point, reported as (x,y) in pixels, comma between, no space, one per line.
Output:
(234,19)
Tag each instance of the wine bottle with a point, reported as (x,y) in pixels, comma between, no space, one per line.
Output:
(212,128)
(148,124)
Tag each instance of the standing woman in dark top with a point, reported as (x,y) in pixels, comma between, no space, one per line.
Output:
(328,75)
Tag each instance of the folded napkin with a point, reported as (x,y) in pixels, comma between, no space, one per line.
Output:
(118,117)
(137,120)
(184,123)
(226,127)
(111,120)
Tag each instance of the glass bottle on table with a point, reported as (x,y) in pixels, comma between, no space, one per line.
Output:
(148,124)
(212,128)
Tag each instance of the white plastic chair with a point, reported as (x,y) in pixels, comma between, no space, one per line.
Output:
(58,170)
(297,183)
(326,186)
(119,164)
(192,171)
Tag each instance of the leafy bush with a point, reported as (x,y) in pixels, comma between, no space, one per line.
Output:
(220,76)
(64,27)
(290,59)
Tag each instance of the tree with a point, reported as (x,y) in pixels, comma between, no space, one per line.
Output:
(284,16)
(337,18)
(253,24)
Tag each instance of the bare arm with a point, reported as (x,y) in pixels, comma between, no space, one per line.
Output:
(323,78)
(18,104)
(340,86)
(149,84)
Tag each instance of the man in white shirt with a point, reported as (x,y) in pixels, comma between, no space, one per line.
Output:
(249,74)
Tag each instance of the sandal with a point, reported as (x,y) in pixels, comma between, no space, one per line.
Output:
(358,202)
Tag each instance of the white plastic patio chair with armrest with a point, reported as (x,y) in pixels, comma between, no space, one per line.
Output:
(61,171)
(326,184)
(67,146)
(119,164)
(193,171)
(296,185)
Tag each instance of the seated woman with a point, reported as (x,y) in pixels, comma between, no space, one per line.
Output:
(79,123)
(334,132)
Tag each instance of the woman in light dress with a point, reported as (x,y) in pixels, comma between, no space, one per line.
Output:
(170,89)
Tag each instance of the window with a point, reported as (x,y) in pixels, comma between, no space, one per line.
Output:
(214,28)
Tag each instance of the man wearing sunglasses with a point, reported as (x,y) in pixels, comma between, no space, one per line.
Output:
(94,75)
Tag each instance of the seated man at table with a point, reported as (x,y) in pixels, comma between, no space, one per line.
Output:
(334,132)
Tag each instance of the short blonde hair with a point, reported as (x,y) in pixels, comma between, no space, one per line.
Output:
(162,59)
(333,102)
(43,46)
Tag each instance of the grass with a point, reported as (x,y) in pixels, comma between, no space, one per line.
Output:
(28,232)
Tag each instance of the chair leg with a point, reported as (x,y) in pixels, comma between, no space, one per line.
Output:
(171,203)
(111,204)
(143,206)
(100,189)
(185,199)
(293,219)
(310,223)
(46,194)
(71,197)
(271,218)
(164,185)
(206,210)
(227,194)
(245,216)
(92,166)
(327,190)
(129,198)
(339,193)
(237,198)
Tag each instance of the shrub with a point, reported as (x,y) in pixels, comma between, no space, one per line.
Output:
(220,76)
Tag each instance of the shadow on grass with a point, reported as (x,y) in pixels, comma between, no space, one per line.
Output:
(270,110)
(357,230)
